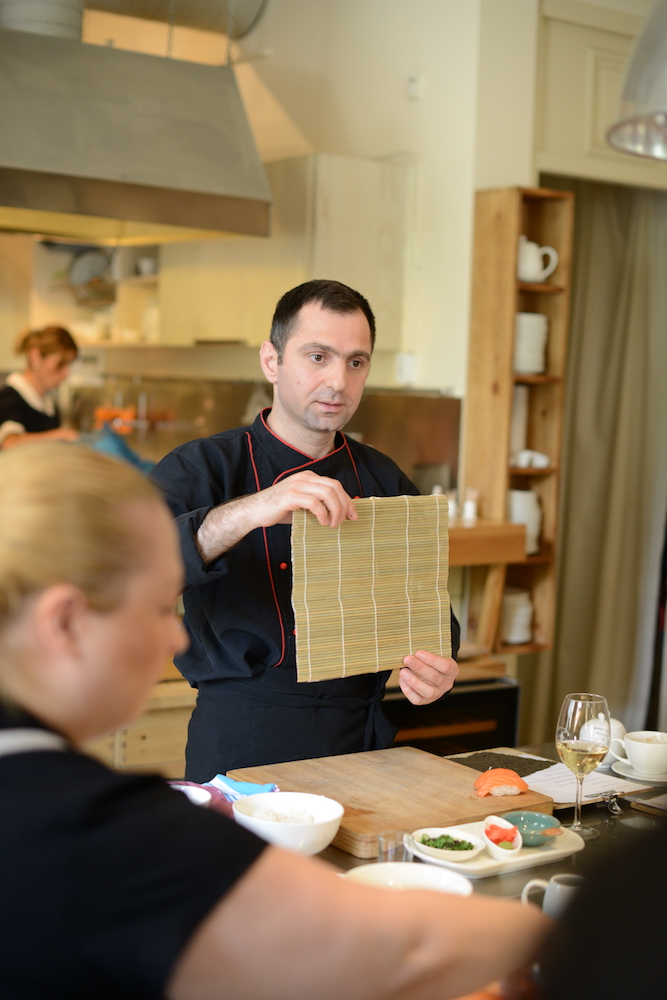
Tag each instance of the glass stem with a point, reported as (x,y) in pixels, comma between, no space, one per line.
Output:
(577,802)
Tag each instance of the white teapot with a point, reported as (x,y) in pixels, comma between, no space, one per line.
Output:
(531,266)
(616,731)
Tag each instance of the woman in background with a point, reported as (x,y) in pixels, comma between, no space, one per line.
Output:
(114,885)
(27,409)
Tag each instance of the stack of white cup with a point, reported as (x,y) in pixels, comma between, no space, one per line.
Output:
(524,508)
(519,423)
(530,341)
(517,616)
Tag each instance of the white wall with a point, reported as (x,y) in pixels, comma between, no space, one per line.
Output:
(340,69)
(505,118)
(337,79)
(342,75)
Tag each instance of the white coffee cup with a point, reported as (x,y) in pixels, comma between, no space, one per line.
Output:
(535,459)
(645,750)
(559,892)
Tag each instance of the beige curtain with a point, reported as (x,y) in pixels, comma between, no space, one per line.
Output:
(614,486)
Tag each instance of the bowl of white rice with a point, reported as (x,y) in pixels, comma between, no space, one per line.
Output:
(298,821)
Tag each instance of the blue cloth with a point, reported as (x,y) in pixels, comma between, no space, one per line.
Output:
(111,443)
(233,790)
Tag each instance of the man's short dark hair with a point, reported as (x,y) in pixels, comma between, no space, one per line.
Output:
(331,295)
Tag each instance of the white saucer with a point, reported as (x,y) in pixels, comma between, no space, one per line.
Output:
(626,771)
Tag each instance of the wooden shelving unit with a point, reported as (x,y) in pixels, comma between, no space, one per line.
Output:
(544,217)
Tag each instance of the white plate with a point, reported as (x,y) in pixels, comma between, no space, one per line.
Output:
(405,875)
(528,857)
(87,265)
(627,771)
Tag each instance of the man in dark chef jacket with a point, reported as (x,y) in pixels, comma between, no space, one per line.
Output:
(232,495)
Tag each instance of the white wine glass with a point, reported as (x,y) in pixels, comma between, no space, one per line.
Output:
(582,742)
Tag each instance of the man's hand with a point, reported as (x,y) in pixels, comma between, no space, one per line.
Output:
(425,677)
(227,524)
(323,497)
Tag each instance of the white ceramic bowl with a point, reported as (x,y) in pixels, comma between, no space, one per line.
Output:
(501,853)
(410,875)
(444,855)
(309,837)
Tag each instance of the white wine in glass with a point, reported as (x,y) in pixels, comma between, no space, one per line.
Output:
(582,742)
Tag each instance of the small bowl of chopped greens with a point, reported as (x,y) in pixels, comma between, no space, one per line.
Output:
(448,843)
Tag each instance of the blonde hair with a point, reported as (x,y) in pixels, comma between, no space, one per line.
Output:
(65,517)
(48,340)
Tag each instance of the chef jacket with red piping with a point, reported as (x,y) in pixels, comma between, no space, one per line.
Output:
(238,609)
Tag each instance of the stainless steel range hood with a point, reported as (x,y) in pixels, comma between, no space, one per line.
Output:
(115,146)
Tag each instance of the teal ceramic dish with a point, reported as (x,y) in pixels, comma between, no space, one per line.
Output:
(530,825)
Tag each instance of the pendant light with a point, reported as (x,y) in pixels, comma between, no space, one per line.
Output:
(641,127)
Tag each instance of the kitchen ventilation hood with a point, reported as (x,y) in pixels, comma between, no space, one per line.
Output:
(113,146)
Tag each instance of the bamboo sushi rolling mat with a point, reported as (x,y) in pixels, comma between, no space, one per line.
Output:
(371,591)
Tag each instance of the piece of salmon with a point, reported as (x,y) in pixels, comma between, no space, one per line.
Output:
(500,781)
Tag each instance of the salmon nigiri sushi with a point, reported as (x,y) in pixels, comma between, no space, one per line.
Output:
(500,781)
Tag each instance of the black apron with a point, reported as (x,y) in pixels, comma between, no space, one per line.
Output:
(239,722)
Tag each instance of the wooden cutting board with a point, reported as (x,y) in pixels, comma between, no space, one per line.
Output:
(398,789)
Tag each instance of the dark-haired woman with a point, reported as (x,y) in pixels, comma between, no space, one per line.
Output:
(27,408)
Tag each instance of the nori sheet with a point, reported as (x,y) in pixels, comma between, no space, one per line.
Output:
(523,766)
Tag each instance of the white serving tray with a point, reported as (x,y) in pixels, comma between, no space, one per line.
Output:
(484,865)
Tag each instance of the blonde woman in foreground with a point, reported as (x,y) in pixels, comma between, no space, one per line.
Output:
(114,885)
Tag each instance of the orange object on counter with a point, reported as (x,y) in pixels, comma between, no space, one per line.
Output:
(500,781)
(500,834)
(120,418)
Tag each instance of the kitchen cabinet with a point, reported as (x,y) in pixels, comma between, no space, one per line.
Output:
(584,50)
(333,217)
(136,316)
(501,217)
(15,280)
(136,312)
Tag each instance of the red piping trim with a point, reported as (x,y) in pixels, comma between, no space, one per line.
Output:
(283,649)
(297,468)
(311,460)
(354,465)
(278,438)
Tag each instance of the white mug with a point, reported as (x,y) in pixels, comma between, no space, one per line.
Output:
(559,892)
(531,266)
(645,751)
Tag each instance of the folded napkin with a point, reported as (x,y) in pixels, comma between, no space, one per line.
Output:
(233,790)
